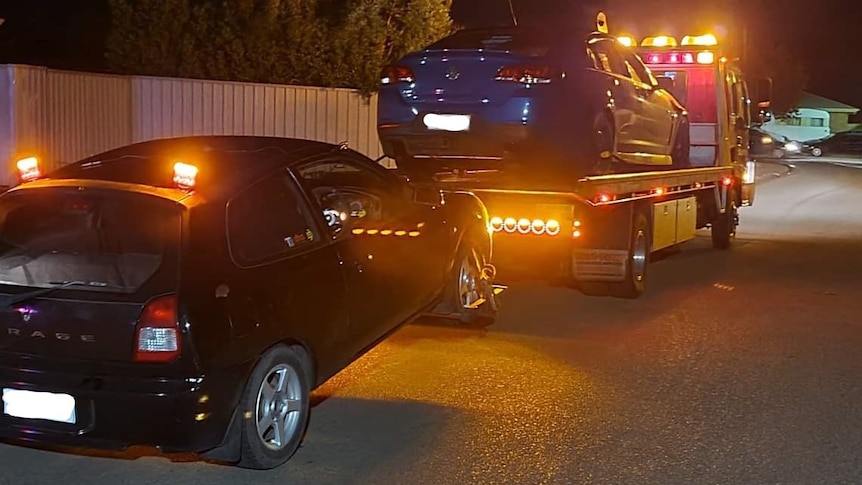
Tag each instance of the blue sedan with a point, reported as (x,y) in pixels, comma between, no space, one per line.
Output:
(492,98)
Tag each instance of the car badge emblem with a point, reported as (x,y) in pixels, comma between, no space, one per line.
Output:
(25,313)
(453,73)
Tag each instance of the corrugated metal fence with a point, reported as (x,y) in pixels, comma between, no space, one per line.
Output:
(64,116)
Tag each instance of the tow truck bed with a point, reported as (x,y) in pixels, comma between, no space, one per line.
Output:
(587,229)
(593,190)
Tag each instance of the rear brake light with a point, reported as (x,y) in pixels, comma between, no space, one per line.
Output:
(528,74)
(396,74)
(157,334)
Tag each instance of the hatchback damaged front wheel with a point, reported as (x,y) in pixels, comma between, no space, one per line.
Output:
(474,297)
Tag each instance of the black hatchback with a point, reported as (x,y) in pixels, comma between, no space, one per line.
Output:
(190,293)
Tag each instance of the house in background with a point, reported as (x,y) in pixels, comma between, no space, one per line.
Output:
(817,117)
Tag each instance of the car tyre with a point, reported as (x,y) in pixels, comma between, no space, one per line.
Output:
(723,230)
(275,409)
(817,151)
(637,261)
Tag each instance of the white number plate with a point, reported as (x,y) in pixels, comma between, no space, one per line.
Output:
(447,122)
(39,405)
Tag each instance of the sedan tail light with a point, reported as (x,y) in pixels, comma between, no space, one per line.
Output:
(529,74)
(157,334)
(396,74)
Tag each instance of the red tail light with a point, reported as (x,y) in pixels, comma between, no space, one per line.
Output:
(157,334)
(671,58)
(396,74)
(529,74)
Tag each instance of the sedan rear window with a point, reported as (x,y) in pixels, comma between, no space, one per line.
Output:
(528,43)
(110,240)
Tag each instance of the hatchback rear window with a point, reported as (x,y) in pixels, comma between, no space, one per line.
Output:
(111,240)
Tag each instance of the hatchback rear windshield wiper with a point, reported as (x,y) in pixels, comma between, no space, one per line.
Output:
(8,300)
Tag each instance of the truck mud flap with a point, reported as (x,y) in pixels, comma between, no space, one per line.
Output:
(599,265)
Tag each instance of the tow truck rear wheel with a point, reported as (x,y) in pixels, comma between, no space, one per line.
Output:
(723,228)
(637,260)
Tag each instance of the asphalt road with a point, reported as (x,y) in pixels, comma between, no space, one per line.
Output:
(737,367)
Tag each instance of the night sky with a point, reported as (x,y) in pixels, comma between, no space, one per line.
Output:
(823,33)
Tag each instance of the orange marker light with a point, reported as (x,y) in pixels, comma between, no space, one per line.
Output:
(28,169)
(538,226)
(705,57)
(576,229)
(185,175)
(627,41)
(510,224)
(727,181)
(496,224)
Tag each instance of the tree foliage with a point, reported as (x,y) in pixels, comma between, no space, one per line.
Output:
(333,43)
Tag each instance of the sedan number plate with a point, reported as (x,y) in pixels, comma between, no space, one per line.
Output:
(39,405)
(435,121)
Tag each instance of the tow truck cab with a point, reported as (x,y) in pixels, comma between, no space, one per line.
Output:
(715,92)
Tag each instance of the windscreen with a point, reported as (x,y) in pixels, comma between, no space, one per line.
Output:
(110,240)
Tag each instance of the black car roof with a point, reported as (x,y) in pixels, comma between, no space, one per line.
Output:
(225,162)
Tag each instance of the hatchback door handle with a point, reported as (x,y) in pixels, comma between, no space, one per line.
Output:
(222,291)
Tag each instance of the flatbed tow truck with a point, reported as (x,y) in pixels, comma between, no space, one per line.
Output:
(599,232)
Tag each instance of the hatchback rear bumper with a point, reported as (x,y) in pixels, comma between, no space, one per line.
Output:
(174,414)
